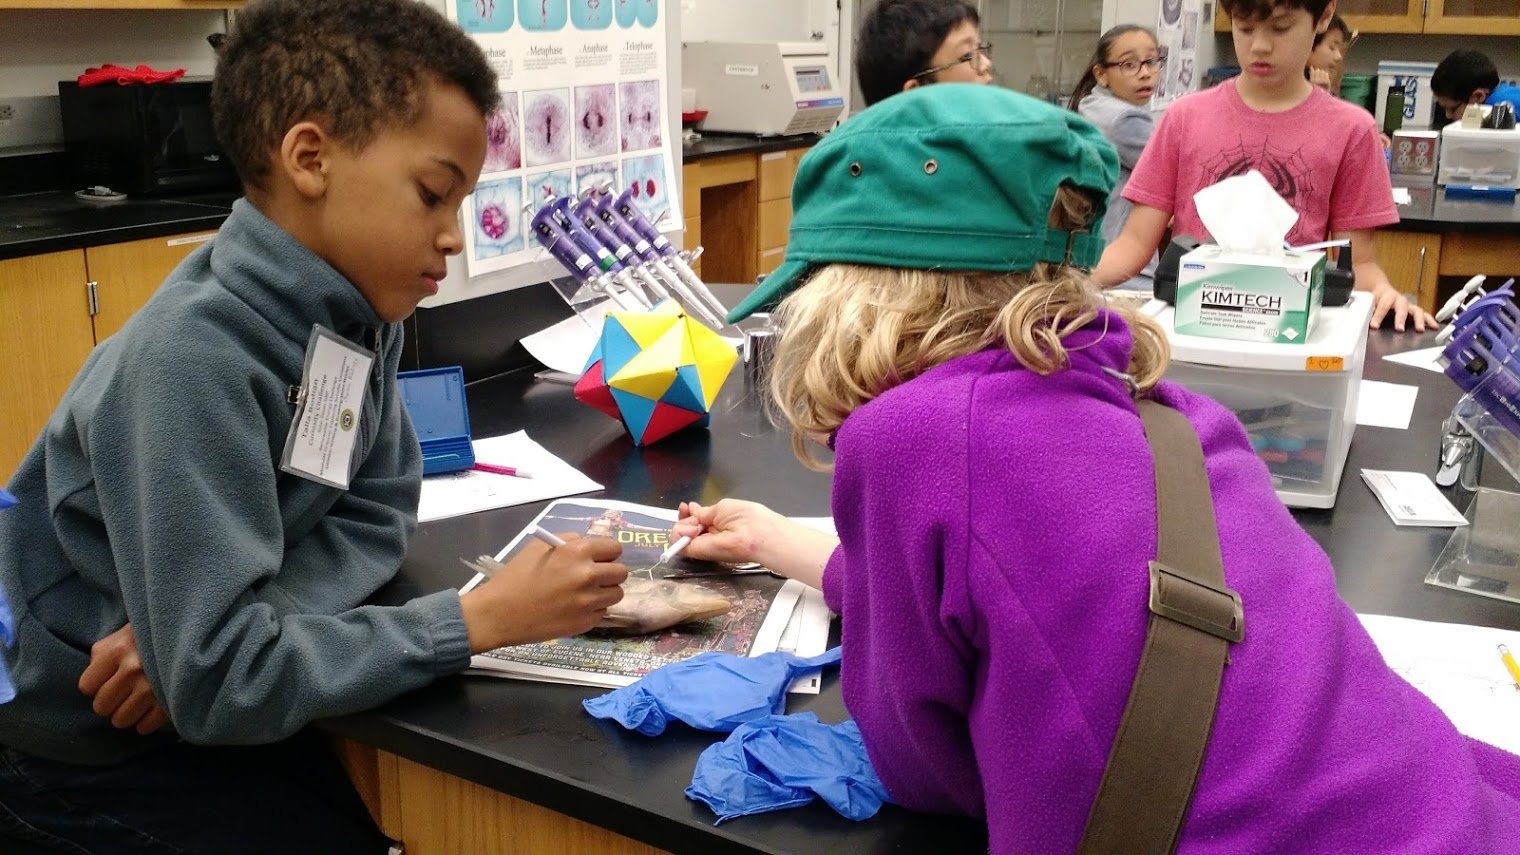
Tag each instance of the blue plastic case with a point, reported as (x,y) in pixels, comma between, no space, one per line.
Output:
(435,400)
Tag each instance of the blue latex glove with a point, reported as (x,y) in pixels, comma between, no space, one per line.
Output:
(784,761)
(6,500)
(710,691)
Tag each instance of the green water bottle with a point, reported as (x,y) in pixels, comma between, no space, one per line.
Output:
(1393,110)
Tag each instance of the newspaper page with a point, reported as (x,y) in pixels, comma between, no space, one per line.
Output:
(762,605)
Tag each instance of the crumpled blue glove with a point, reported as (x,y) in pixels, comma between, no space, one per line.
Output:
(710,691)
(784,761)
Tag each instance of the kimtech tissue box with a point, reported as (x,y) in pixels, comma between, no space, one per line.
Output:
(1249,296)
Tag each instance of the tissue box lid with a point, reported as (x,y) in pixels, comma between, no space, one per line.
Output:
(1339,333)
(435,400)
(1497,136)
(1289,260)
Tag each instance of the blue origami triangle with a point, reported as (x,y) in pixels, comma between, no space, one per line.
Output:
(636,411)
(686,391)
(617,346)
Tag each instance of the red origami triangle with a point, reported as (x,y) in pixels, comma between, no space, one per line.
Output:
(593,391)
(666,420)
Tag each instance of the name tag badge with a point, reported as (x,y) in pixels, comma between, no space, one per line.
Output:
(335,379)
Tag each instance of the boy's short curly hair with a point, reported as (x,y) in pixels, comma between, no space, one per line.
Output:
(358,67)
(1260,10)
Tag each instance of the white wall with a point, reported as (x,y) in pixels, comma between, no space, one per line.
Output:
(773,21)
(1370,48)
(38,48)
(759,20)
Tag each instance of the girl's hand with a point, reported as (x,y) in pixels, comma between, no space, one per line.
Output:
(736,531)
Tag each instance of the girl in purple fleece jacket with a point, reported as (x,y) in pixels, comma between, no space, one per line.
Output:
(995,501)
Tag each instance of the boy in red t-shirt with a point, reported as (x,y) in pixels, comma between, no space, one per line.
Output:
(1319,153)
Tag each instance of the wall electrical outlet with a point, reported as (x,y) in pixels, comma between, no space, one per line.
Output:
(30,123)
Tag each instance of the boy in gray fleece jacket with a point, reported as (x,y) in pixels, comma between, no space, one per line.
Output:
(177,555)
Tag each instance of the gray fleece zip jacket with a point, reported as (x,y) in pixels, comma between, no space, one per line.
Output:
(154,496)
(1128,128)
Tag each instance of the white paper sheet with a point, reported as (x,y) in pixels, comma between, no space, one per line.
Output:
(808,632)
(467,492)
(567,345)
(1423,358)
(1458,667)
(1388,405)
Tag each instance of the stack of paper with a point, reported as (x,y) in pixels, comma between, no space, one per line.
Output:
(1411,498)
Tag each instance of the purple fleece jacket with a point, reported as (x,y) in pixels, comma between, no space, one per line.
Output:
(995,529)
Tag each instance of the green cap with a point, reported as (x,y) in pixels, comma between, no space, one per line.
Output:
(953,176)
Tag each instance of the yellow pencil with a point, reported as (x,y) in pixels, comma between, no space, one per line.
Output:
(1510,664)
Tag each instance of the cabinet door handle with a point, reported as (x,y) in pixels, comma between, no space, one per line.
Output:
(94,297)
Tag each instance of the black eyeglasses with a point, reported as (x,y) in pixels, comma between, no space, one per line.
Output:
(983,49)
(1134,66)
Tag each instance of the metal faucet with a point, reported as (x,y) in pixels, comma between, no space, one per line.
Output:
(1461,456)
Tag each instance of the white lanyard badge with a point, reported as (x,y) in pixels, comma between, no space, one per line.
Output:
(328,402)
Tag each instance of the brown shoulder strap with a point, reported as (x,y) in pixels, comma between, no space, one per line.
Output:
(1159,749)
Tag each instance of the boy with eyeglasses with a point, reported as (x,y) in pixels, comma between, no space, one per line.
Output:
(1321,154)
(904,44)
(1469,77)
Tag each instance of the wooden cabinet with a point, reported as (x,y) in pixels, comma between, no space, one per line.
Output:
(56,308)
(124,275)
(435,813)
(48,335)
(1416,261)
(1384,16)
(739,208)
(1460,17)
(1412,261)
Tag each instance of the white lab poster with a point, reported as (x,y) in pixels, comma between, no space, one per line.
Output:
(584,103)
(1179,26)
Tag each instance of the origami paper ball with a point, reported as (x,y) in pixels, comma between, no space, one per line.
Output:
(658,371)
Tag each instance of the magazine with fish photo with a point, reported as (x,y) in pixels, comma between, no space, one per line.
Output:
(669,613)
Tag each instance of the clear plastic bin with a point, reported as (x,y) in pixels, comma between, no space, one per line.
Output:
(1297,401)
(1479,156)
